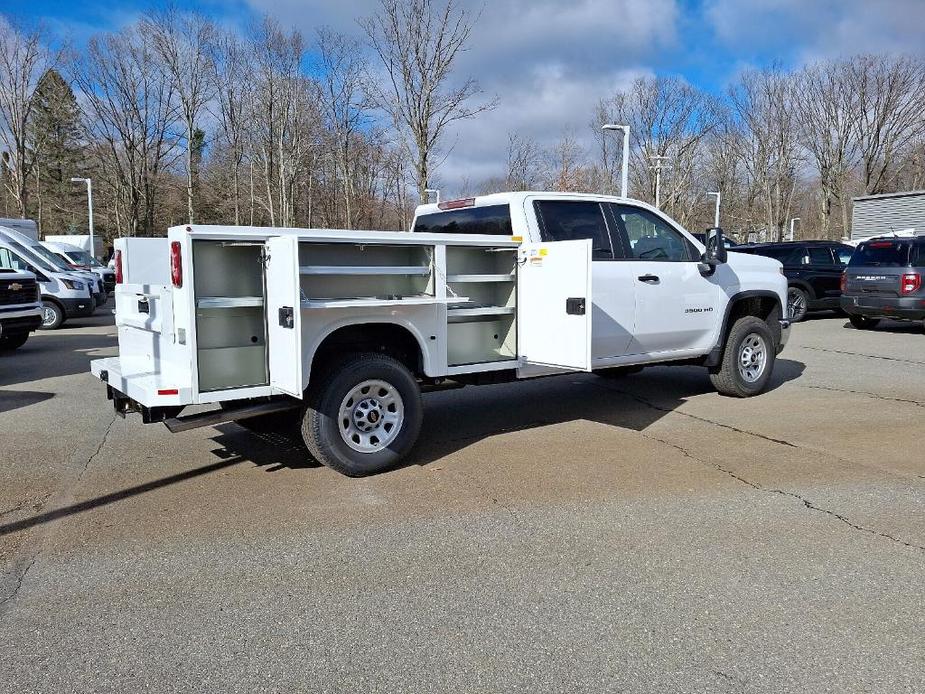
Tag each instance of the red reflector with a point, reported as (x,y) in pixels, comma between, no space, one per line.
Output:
(844,282)
(176,265)
(118,267)
(456,204)
(168,391)
(910,283)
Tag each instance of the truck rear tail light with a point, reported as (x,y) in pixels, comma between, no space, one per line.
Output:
(844,282)
(118,264)
(176,264)
(168,391)
(456,204)
(910,283)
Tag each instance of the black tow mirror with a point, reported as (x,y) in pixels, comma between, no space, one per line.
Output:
(715,251)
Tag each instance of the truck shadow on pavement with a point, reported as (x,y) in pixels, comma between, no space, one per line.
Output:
(53,355)
(456,419)
(12,400)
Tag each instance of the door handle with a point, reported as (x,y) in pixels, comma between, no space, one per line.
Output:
(651,279)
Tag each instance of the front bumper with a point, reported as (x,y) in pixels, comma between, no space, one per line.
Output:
(78,308)
(20,321)
(904,308)
(784,334)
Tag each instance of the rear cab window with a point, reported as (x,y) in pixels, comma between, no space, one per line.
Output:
(820,255)
(569,220)
(494,220)
(881,254)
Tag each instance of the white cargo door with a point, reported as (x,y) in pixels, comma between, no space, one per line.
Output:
(554,304)
(284,315)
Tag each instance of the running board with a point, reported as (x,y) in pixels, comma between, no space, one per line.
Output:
(213,417)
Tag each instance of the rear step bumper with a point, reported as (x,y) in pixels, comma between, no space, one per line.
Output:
(213,417)
(906,307)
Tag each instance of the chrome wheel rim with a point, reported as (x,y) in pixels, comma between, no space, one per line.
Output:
(48,315)
(796,303)
(753,357)
(371,416)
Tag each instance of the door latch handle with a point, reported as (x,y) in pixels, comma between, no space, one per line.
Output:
(286,317)
(575,306)
(651,279)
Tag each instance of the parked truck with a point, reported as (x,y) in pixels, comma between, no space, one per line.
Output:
(343,328)
(20,306)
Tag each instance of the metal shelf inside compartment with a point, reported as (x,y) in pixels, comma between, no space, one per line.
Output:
(364,269)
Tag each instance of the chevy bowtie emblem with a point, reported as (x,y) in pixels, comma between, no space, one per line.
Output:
(15,286)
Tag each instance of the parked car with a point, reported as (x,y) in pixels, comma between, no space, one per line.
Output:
(813,270)
(79,259)
(20,307)
(885,279)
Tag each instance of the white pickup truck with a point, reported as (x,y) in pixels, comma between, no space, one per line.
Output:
(343,328)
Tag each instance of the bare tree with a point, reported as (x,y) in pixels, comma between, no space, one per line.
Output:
(230,76)
(525,163)
(342,69)
(130,111)
(767,140)
(418,43)
(183,42)
(23,61)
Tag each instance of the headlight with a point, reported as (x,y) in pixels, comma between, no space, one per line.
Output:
(71,284)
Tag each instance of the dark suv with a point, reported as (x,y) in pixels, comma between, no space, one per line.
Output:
(885,279)
(813,270)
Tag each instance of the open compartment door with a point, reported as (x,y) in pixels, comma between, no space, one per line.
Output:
(554,304)
(284,315)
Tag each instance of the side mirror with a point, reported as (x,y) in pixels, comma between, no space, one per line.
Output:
(716,247)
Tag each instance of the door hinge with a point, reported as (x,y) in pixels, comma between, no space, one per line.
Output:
(575,306)
(286,317)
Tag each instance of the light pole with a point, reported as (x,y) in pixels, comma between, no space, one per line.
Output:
(716,213)
(624,172)
(658,159)
(89,210)
(795,219)
(436,191)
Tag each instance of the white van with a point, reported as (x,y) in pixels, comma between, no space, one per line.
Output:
(33,250)
(80,259)
(64,295)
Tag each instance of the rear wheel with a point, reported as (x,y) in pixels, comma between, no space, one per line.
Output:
(797,303)
(365,416)
(863,322)
(748,359)
(52,316)
(13,341)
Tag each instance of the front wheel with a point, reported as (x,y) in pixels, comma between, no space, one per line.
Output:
(14,341)
(863,322)
(797,304)
(52,316)
(365,416)
(748,359)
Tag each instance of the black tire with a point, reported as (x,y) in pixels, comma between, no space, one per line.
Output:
(728,378)
(797,304)
(12,341)
(619,371)
(52,316)
(321,423)
(863,322)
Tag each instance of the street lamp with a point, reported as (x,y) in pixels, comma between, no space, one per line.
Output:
(436,191)
(624,172)
(658,159)
(795,219)
(89,209)
(716,213)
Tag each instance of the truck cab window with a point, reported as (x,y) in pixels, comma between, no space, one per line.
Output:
(820,255)
(489,219)
(569,220)
(649,237)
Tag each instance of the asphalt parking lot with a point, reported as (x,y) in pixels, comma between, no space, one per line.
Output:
(568,534)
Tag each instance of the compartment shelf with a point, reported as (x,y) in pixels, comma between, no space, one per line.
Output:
(229,302)
(364,269)
(455,315)
(362,302)
(506,277)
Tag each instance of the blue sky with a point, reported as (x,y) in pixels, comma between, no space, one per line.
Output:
(549,61)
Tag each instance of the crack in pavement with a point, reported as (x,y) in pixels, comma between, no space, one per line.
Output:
(868,356)
(21,578)
(783,492)
(870,395)
(37,505)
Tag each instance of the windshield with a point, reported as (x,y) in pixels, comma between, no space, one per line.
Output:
(881,254)
(84,258)
(39,261)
